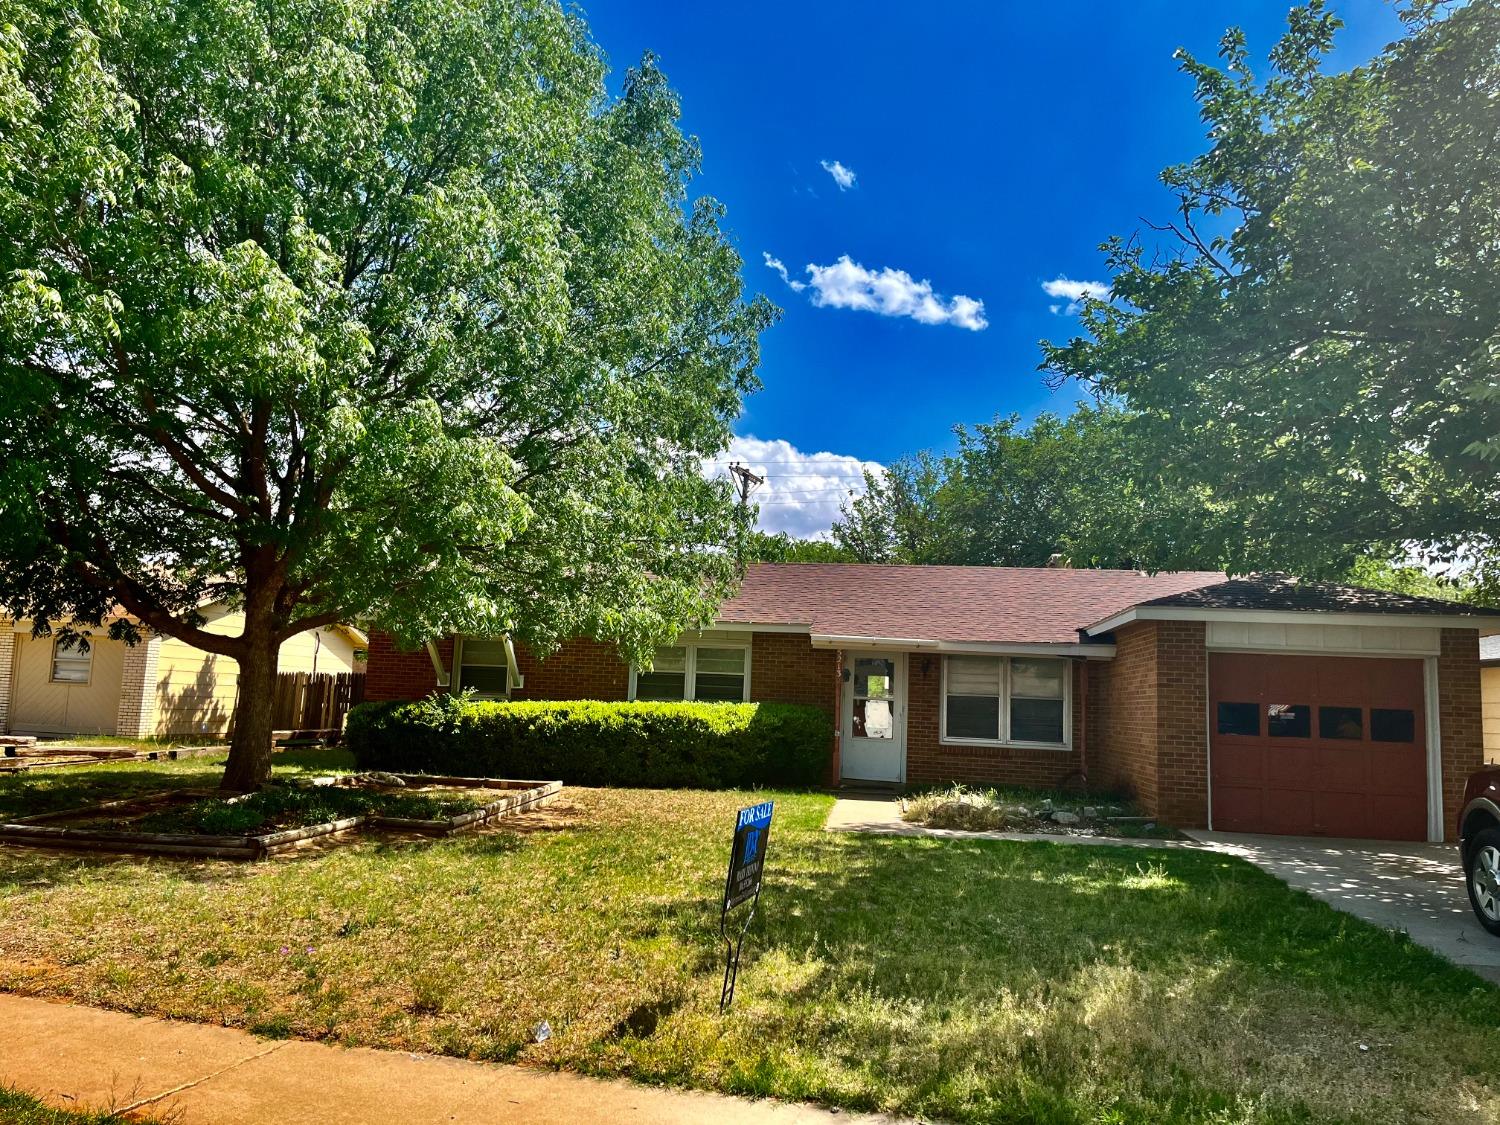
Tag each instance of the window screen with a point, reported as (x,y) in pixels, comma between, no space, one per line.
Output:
(483,667)
(71,665)
(973,699)
(667,677)
(1036,700)
(720,674)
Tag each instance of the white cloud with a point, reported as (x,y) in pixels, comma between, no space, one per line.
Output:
(780,267)
(842,176)
(890,292)
(803,491)
(1074,292)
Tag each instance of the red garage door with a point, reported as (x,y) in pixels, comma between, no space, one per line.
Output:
(1318,746)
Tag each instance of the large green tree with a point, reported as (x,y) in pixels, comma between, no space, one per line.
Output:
(355,309)
(1314,342)
(1085,487)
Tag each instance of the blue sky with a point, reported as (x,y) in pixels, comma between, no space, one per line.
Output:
(992,148)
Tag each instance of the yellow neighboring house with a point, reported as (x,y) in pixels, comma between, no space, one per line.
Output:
(1489,695)
(161,687)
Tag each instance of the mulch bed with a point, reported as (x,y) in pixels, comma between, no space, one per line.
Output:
(279,818)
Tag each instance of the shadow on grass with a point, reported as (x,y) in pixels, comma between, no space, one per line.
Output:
(41,791)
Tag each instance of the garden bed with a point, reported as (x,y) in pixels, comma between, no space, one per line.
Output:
(967,809)
(209,823)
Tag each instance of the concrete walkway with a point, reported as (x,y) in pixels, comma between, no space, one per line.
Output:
(195,1074)
(1418,888)
(881,815)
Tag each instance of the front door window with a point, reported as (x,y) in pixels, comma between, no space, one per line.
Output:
(874,696)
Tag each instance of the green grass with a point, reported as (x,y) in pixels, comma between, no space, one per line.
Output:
(969,980)
(17,1108)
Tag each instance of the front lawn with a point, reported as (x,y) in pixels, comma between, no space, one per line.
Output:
(966,979)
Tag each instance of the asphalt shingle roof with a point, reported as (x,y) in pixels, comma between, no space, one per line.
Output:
(1278,591)
(1025,605)
(1017,605)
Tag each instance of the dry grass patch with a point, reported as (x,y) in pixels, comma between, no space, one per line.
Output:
(962,979)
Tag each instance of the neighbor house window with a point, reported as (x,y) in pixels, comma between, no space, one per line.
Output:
(71,665)
(483,668)
(707,673)
(1005,699)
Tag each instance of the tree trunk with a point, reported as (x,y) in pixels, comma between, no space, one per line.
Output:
(249,765)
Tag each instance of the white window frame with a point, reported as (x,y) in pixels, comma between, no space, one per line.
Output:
(458,672)
(73,654)
(690,667)
(1066,745)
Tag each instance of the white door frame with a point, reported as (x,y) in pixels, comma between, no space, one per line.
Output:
(846,717)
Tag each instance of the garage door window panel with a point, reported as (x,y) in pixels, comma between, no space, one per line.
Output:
(1288,720)
(1393,724)
(1239,718)
(1341,723)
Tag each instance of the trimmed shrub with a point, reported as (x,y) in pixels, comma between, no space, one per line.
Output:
(584,742)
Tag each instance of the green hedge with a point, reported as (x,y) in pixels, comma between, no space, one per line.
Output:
(651,745)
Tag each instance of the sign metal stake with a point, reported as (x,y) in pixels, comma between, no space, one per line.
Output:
(747,860)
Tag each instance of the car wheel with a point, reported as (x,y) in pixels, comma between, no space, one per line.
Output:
(1482,875)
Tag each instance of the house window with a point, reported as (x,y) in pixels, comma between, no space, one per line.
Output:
(706,673)
(482,667)
(1005,700)
(71,665)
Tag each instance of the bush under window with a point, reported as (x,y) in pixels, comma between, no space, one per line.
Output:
(641,744)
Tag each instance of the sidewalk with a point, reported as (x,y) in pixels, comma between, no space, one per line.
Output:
(196,1074)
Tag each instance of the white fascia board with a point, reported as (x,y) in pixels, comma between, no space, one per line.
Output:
(759,627)
(976,648)
(1100,651)
(1485,625)
(905,644)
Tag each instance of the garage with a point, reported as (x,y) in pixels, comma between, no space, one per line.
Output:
(1318,745)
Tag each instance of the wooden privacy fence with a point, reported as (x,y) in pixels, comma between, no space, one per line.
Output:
(303,701)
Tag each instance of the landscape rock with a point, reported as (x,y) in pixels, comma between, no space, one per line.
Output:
(1062,816)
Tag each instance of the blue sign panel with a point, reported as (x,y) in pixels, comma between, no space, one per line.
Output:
(747,861)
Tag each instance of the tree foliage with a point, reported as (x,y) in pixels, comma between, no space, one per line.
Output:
(345,309)
(1085,488)
(1316,351)
(779,547)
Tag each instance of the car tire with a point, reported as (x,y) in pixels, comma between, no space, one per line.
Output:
(1482,877)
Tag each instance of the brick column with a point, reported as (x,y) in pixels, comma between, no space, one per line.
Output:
(1182,723)
(1460,719)
(9,642)
(136,717)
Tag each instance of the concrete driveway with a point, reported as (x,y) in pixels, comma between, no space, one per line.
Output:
(1418,888)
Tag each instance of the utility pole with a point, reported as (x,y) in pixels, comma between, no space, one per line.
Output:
(747,483)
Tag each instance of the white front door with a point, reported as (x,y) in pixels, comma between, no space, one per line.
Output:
(874,743)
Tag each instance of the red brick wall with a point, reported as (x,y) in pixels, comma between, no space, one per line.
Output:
(580,669)
(1182,723)
(785,668)
(930,761)
(1459,719)
(1122,716)
(396,674)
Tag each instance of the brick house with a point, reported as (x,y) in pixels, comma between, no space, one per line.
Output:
(1258,704)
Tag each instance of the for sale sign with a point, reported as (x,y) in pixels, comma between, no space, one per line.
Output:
(747,860)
